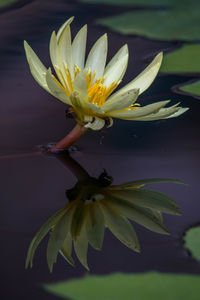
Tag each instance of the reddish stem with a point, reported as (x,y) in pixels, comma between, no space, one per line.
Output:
(72,137)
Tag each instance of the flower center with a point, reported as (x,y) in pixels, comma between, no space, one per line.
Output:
(97,92)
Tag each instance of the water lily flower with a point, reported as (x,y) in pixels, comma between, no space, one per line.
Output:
(95,204)
(87,86)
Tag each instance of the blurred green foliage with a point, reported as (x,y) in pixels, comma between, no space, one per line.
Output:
(6,2)
(145,286)
(184,61)
(192,236)
(179,20)
(130,2)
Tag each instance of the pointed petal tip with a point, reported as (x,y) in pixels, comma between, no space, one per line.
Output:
(160,56)
(87,268)
(137,249)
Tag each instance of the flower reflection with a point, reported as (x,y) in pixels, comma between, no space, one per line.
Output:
(95,204)
(87,87)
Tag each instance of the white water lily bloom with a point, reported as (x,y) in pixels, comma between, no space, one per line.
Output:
(88,86)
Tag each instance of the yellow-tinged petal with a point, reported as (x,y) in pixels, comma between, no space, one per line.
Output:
(58,236)
(55,89)
(146,77)
(95,108)
(80,85)
(79,47)
(95,226)
(139,112)
(97,124)
(41,234)
(181,111)
(60,31)
(165,113)
(81,247)
(38,70)
(65,50)
(120,227)
(120,102)
(148,199)
(80,214)
(66,250)
(55,59)
(116,68)
(97,57)
(138,214)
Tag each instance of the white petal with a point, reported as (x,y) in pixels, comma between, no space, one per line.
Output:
(55,89)
(146,77)
(120,102)
(65,49)
(80,85)
(66,249)
(165,113)
(38,70)
(120,226)
(116,68)
(97,124)
(81,247)
(79,47)
(68,22)
(97,109)
(55,59)
(139,112)
(178,113)
(97,57)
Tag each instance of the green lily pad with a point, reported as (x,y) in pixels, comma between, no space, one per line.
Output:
(192,242)
(180,21)
(146,286)
(183,60)
(190,88)
(7,2)
(130,2)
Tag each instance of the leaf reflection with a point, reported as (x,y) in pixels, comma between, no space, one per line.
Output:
(95,204)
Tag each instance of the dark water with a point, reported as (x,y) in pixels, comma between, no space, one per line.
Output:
(33,185)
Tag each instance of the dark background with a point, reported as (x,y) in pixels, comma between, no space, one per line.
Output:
(33,185)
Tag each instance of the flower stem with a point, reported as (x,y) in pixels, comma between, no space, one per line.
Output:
(72,137)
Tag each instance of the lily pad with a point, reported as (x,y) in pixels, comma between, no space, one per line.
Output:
(130,2)
(7,2)
(185,60)
(192,242)
(129,286)
(172,23)
(190,88)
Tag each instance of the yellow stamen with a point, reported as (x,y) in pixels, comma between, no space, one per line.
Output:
(69,81)
(77,70)
(97,92)
(61,86)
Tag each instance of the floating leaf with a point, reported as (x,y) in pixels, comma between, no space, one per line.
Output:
(181,21)
(146,286)
(7,2)
(184,60)
(192,241)
(190,88)
(130,2)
